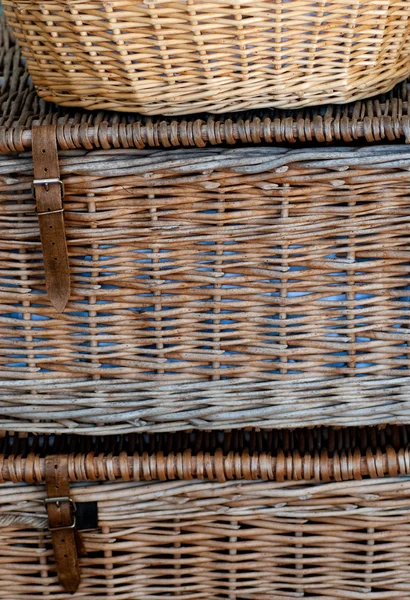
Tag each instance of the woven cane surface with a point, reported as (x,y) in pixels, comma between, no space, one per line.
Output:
(179,57)
(210,288)
(384,117)
(193,540)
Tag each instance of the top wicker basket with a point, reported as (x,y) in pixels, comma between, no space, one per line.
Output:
(180,57)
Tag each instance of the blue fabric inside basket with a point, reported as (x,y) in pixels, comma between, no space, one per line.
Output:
(336,297)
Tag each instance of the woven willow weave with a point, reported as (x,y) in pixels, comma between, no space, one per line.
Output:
(176,57)
(385,117)
(210,288)
(316,454)
(189,539)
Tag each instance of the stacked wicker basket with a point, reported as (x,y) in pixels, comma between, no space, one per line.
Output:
(204,350)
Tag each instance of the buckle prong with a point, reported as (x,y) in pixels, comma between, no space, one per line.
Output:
(47,183)
(57,502)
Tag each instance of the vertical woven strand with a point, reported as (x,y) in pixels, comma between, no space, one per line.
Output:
(283,278)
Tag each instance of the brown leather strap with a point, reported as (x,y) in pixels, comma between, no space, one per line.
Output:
(49,192)
(61,522)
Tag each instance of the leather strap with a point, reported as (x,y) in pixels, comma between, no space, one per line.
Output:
(61,522)
(48,191)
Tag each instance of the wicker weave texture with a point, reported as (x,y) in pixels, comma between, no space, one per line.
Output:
(303,440)
(176,57)
(309,454)
(195,540)
(384,117)
(210,288)
(291,466)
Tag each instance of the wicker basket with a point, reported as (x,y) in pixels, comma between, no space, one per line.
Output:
(183,57)
(255,538)
(386,117)
(210,288)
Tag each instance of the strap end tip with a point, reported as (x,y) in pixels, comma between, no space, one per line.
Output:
(59,295)
(72,587)
(59,304)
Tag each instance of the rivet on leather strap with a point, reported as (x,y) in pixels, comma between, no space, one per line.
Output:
(48,191)
(62,522)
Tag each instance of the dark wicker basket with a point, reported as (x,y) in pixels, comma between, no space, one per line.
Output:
(240,532)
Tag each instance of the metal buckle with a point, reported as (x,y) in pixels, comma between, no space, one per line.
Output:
(58,501)
(46,183)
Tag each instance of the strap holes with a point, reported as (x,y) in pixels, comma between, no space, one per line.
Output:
(44,151)
(55,258)
(56,466)
(45,170)
(62,540)
(65,555)
(53,243)
(51,227)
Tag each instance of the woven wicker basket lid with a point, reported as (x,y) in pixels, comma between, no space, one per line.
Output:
(384,117)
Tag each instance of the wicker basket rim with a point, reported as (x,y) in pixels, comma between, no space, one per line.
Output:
(384,117)
(318,454)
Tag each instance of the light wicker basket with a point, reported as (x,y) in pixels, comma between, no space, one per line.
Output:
(384,117)
(167,57)
(237,534)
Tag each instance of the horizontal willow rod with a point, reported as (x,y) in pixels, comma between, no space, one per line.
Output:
(292,466)
(199,133)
